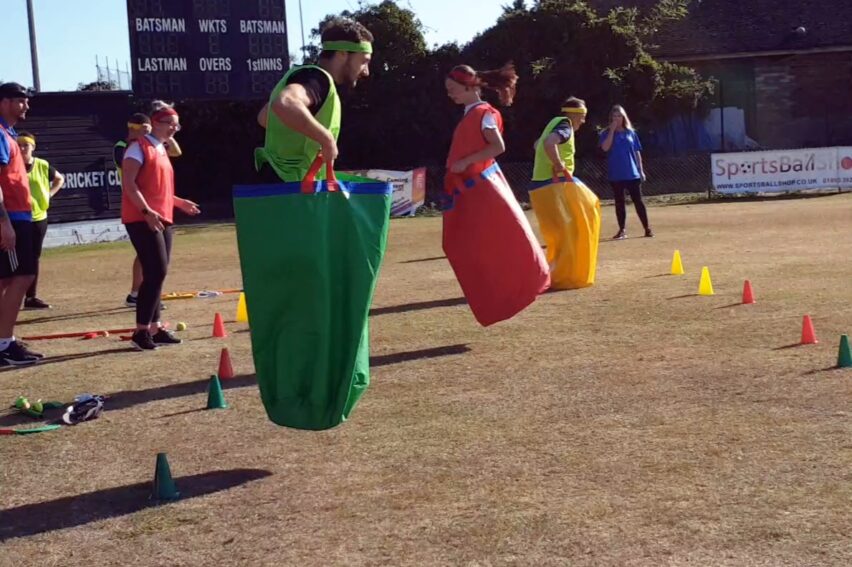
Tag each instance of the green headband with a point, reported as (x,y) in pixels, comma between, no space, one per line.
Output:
(348,46)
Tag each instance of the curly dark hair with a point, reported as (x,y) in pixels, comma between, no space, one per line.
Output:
(139,118)
(344,29)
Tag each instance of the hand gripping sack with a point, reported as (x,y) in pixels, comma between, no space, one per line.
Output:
(310,255)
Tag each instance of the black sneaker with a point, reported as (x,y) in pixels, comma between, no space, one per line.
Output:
(35,303)
(15,355)
(164,337)
(26,348)
(649,233)
(141,340)
(620,235)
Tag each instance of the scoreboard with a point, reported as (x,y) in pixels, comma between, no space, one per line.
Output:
(207,49)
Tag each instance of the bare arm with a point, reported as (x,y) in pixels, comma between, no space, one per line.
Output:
(495,147)
(7,233)
(551,148)
(173,148)
(57,184)
(606,145)
(263,115)
(641,165)
(129,170)
(291,108)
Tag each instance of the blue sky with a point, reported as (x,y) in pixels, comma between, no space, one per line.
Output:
(71,33)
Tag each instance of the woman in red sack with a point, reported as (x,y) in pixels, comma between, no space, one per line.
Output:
(487,239)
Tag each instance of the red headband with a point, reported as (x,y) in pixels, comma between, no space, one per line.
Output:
(464,78)
(163,113)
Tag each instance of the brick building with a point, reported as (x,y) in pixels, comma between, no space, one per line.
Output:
(783,68)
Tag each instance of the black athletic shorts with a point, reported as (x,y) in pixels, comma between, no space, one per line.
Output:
(21,261)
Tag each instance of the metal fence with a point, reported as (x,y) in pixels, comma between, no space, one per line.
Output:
(666,175)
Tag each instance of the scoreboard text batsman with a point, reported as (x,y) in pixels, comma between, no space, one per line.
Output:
(223,49)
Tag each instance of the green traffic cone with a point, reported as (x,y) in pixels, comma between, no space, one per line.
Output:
(844,356)
(215,397)
(164,486)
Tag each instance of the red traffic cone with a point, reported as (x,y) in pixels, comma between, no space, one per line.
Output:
(748,294)
(226,370)
(808,333)
(219,331)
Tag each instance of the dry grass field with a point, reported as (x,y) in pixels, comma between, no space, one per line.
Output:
(631,423)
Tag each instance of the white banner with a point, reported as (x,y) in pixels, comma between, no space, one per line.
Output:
(782,170)
(844,167)
(409,188)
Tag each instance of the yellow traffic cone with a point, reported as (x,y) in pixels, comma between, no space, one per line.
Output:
(677,265)
(705,286)
(242,312)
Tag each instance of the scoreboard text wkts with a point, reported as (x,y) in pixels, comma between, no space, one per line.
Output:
(207,49)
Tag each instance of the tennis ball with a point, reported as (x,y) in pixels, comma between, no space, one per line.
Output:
(181,326)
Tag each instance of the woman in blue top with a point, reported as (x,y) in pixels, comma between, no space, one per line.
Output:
(624,161)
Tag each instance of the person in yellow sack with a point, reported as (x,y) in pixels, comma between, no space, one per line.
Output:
(45,182)
(568,212)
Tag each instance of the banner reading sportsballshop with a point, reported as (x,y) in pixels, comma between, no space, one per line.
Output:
(409,188)
(782,170)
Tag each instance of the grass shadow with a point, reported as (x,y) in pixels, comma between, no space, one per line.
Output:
(753,198)
(398,357)
(821,370)
(79,510)
(185,412)
(71,316)
(419,306)
(602,240)
(130,398)
(69,357)
(731,306)
(434,258)
(788,347)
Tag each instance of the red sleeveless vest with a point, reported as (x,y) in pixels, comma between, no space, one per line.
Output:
(468,139)
(15,182)
(156,180)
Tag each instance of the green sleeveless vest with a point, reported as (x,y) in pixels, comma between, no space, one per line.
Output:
(40,189)
(543,169)
(288,152)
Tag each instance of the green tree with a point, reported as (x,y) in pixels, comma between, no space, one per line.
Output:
(565,48)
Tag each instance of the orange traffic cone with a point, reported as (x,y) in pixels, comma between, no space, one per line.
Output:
(748,294)
(808,333)
(226,370)
(219,327)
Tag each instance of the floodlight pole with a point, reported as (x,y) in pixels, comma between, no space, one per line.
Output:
(33,46)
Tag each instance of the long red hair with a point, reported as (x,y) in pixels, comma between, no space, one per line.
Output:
(503,81)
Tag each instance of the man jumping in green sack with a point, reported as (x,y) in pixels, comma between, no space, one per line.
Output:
(305,105)
(310,250)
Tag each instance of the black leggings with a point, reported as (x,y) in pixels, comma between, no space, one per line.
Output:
(635,189)
(39,232)
(154,250)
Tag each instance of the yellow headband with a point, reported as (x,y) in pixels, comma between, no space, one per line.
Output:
(568,110)
(26,140)
(134,126)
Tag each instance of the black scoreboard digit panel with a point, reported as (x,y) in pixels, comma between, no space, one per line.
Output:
(207,49)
